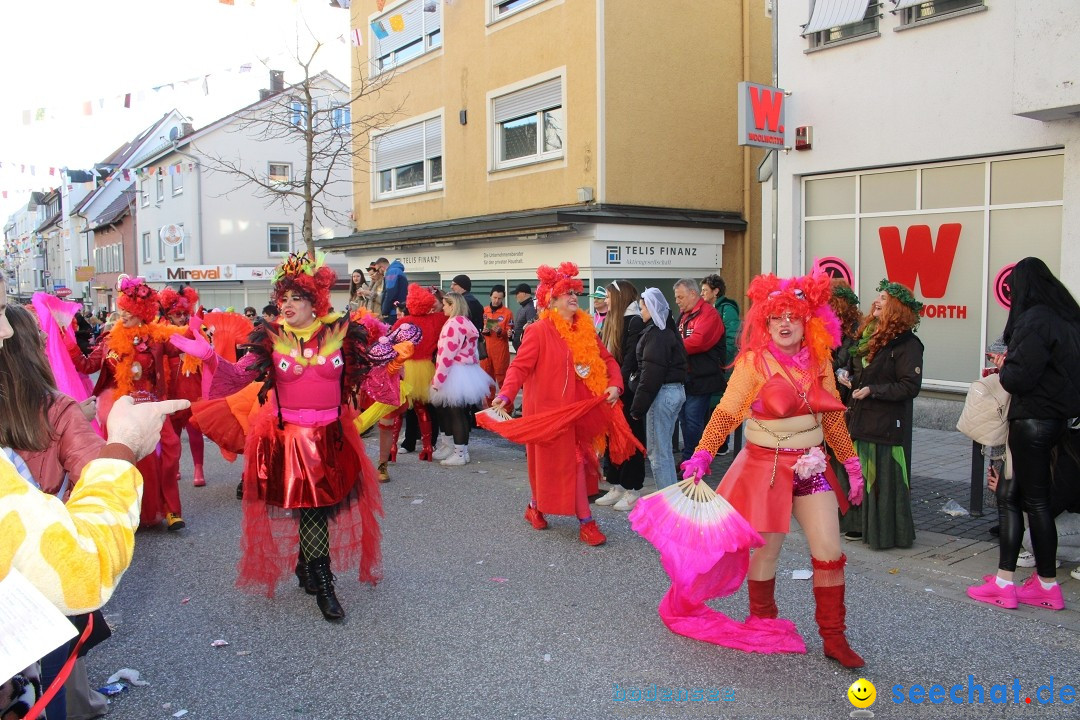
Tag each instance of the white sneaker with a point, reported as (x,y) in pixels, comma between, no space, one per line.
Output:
(444,449)
(467,458)
(612,497)
(456,457)
(1075,572)
(626,504)
(1026,560)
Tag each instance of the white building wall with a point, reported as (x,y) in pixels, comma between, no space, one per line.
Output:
(939,91)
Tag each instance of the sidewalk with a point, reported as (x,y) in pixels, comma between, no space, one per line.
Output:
(952,553)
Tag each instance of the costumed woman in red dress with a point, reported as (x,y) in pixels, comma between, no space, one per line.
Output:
(425,313)
(560,364)
(131,358)
(185,381)
(783,385)
(307,481)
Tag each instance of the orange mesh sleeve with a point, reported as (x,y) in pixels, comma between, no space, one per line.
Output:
(833,423)
(743,386)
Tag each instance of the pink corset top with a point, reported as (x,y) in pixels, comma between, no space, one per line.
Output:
(307,375)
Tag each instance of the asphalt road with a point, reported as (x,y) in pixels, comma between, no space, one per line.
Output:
(480,616)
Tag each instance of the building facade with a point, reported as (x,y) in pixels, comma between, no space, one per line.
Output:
(534,131)
(945,146)
(200,223)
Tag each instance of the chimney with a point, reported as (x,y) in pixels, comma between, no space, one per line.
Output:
(264,93)
(277,81)
(186,129)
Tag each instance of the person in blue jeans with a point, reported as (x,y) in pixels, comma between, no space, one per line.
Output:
(702,332)
(660,390)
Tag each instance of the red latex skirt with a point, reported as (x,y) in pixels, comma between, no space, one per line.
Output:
(305,467)
(746,486)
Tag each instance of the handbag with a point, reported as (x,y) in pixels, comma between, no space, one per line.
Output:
(985,417)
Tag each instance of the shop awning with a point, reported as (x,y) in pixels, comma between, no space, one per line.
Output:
(834,13)
(529,222)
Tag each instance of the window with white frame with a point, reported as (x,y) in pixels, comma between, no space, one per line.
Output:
(851,20)
(99,263)
(161,248)
(528,124)
(177,178)
(301,113)
(502,8)
(409,159)
(146,252)
(341,117)
(912,12)
(406,32)
(160,188)
(280,239)
(178,248)
(143,193)
(279,173)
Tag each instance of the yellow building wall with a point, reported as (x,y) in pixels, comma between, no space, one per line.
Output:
(459,76)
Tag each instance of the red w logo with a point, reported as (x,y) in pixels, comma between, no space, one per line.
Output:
(766,105)
(918,257)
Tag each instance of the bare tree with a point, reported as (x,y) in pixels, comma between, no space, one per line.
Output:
(332,140)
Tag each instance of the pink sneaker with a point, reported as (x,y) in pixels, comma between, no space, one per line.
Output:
(1032,593)
(989,592)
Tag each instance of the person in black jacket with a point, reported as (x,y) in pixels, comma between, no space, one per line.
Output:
(887,376)
(660,389)
(621,339)
(525,315)
(1040,369)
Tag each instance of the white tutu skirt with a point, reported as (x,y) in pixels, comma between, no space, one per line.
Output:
(465,385)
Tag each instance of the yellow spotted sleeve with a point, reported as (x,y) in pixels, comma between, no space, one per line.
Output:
(75,553)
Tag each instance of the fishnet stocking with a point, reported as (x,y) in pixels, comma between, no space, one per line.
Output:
(314,536)
(750,373)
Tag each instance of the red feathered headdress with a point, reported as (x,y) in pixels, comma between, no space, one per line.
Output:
(186,301)
(420,300)
(137,298)
(805,297)
(312,280)
(554,283)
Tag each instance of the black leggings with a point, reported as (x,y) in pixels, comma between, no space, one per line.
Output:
(455,421)
(1031,442)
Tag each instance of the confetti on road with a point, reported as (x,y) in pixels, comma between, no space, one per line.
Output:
(243,652)
(547,657)
(802,574)
(179,713)
(499,580)
(185,601)
(219,643)
(894,571)
(417,501)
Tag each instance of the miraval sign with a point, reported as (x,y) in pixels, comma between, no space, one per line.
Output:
(761,115)
(194,273)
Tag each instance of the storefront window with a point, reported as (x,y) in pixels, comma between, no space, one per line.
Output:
(936,229)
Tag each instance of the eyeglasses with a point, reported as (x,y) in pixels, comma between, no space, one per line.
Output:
(786,317)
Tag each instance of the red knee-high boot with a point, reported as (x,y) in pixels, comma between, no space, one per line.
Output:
(831,611)
(762,598)
(395,429)
(423,419)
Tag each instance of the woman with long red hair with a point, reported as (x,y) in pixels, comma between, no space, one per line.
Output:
(886,378)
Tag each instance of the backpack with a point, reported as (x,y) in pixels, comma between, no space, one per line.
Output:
(985,417)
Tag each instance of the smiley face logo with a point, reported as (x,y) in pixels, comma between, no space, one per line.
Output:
(862,693)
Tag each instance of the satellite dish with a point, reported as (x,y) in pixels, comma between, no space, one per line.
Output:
(174,133)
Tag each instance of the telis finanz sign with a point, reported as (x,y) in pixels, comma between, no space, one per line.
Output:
(761,116)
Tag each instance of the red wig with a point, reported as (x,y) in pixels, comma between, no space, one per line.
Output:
(137,298)
(805,297)
(186,301)
(420,300)
(554,283)
(311,280)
